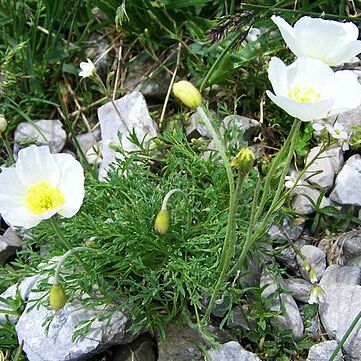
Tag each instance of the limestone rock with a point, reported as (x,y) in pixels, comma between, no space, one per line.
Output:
(135,118)
(341,305)
(300,288)
(291,318)
(40,132)
(323,351)
(348,183)
(323,170)
(57,343)
(232,351)
(301,203)
(88,140)
(24,288)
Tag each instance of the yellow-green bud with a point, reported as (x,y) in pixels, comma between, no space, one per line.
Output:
(3,123)
(244,160)
(162,221)
(187,93)
(57,297)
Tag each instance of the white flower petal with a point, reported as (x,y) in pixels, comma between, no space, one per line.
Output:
(36,164)
(308,72)
(330,41)
(347,53)
(303,111)
(318,127)
(277,74)
(71,184)
(288,34)
(346,90)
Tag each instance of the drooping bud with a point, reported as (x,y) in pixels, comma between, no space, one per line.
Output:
(187,93)
(162,221)
(3,123)
(244,160)
(57,297)
(317,295)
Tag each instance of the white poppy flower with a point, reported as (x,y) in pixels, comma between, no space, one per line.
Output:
(87,68)
(332,42)
(308,89)
(40,185)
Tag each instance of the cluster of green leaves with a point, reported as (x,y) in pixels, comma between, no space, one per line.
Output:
(153,277)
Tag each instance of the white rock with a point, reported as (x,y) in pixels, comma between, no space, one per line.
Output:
(323,351)
(301,203)
(57,343)
(232,351)
(41,132)
(316,258)
(24,288)
(88,140)
(341,305)
(134,112)
(291,316)
(323,170)
(300,288)
(348,183)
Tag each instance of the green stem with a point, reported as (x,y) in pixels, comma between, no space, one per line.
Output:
(220,147)
(65,242)
(228,244)
(260,229)
(222,151)
(346,336)
(64,257)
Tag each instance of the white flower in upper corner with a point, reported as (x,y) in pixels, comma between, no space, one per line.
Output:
(317,295)
(308,89)
(330,41)
(253,34)
(40,185)
(290,180)
(87,68)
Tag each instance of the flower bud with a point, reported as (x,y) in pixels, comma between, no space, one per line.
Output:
(244,160)
(187,93)
(317,295)
(162,221)
(57,297)
(313,276)
(3,123)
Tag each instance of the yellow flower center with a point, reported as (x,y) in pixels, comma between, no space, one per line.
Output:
(43,197)
(304,94)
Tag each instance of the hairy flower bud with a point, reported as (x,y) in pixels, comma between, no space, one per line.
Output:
(187,93)
(3,123)
(244,160)
(317,295)
(162,221)
(57,297)
(263,167)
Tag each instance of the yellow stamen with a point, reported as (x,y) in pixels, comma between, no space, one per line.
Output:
(304,95)
(43,197)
